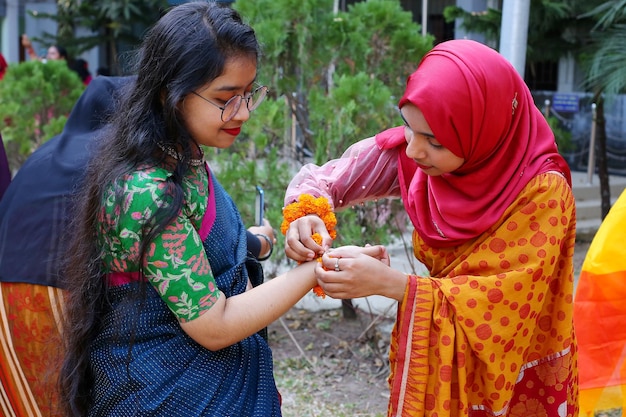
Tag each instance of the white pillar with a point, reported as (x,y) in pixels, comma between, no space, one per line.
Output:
(10,32)
(567,73)
(424,17)
(514,32)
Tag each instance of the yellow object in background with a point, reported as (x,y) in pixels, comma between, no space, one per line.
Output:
(600,317)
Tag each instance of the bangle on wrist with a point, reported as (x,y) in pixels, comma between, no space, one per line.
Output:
(269,242)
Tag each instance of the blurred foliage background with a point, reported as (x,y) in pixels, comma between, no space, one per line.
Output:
(35,100)
(334,78)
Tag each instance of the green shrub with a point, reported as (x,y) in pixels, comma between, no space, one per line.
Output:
(562,135)
(35,100)
(334,78)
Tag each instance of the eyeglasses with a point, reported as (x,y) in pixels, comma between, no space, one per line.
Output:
(230,109)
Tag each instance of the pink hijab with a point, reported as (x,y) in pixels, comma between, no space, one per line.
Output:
(479,108)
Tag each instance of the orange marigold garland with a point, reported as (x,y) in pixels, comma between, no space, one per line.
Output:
(307,204)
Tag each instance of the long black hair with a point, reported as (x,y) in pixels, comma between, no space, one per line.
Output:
(186,49)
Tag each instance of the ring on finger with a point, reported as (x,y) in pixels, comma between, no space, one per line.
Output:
(337,265)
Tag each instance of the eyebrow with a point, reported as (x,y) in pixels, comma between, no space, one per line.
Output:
(234,87)
(228,88)
(429,135)
(401,115)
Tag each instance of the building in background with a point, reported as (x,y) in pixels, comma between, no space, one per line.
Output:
(14,20)
(554,81)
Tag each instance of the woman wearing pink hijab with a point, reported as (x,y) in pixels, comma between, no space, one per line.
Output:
(489,331)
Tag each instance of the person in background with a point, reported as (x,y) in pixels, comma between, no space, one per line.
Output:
(81,67)
(5,171)
(54,52)
(103,71)
(31,254)
(57,52)
(3,66)
(488,332)
(164,315)
(599,314)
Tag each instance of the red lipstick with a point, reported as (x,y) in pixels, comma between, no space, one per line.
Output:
(234,131)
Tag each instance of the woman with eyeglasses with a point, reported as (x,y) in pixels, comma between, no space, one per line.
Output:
(164,316)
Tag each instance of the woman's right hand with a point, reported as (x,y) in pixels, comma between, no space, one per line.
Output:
(355,272)
(299,245)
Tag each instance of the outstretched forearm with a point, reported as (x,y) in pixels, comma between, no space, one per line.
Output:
(363,173)
(232,319)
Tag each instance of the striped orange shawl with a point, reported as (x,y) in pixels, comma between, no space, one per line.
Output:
(489,333)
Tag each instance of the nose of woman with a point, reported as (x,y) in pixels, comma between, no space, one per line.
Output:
(416,146)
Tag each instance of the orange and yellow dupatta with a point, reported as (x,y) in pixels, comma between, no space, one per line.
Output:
(600,317)
(490,332)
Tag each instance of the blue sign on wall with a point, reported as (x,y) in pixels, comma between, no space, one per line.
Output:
(565,103)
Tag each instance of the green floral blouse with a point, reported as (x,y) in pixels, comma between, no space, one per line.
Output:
(176,264)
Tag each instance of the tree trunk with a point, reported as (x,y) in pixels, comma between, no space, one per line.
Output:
(349,311)
(601,156)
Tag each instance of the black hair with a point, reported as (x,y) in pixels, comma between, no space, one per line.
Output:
(186,49)
(103,71)
(81,68)
(62,51)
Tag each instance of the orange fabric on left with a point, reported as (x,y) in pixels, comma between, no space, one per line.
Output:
(30,349)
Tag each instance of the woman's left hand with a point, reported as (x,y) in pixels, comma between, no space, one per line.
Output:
(261,231)
(265,229)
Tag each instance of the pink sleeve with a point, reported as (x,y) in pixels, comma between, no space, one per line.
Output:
(364,172)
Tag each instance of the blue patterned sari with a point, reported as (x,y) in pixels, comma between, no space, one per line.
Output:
(145,365)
